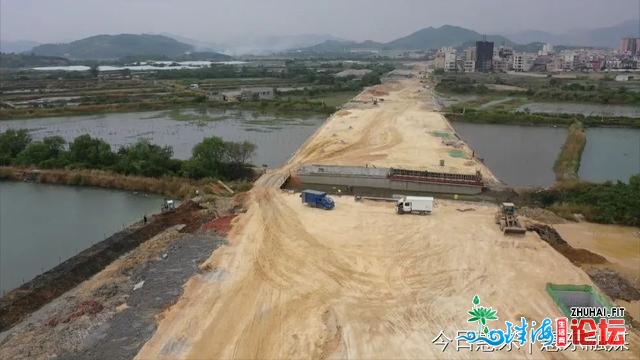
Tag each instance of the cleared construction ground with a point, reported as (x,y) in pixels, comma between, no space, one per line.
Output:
(360,281)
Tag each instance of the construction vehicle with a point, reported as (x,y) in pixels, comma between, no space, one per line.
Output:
(168,206)
(414,204)
(508,219)
(317,199)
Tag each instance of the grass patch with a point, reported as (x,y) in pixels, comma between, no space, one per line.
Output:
(567,210)
(509,105)
(607,203)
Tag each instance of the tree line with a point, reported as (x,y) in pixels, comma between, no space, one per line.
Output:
(470,115)
(213,157)
(609,202)
(296,71)
(552,90)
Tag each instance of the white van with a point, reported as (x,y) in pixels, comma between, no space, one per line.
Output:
(415,204)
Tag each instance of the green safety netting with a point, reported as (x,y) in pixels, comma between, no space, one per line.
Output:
(568,296)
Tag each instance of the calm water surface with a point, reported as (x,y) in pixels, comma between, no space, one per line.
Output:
(276,137)
(524,155)
(517,155)
(41,225)
(610,154)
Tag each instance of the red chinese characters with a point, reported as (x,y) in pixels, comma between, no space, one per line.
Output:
(585,332)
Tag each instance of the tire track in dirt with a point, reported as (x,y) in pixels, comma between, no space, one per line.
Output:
(358,281)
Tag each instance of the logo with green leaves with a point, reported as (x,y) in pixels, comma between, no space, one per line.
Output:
(481,315)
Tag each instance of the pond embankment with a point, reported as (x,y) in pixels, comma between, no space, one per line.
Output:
(568,162)
(173,187)
(51,284)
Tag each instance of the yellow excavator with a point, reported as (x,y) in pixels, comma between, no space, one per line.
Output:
(508,219)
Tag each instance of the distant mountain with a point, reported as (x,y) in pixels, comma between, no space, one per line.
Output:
(605,36)
(532,47)
(427,38)
(198,45)
(447,35)
(279,43)
(608,37)
(19,46)
(203,56)
(30,60)
(102,47)
(343,46)
(271,44)
(256,45)
(529,36)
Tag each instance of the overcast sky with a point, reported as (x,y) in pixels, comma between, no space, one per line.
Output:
(222,20)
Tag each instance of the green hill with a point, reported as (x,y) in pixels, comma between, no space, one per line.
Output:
(203,55)
(427,38)
(102,47)
(447,35)
(30,60)
(343,46)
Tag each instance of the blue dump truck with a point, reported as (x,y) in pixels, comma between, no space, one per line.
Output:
(317,199)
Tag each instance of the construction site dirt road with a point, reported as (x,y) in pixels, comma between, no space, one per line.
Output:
(359,281)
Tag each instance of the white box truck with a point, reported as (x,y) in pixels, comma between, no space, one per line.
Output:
(414,204)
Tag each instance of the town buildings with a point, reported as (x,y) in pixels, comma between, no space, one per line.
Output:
(483,57)
(446,59)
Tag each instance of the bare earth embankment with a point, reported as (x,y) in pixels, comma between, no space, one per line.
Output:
(360,281)
(104,302)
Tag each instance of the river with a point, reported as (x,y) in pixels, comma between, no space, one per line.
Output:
(42,225)
(276,137)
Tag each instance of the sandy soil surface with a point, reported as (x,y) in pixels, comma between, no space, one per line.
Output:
(619,244)
(403,131)
(357,282)
(360,281)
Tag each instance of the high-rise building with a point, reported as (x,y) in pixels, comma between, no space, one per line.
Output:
(484,56)
(629,46)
